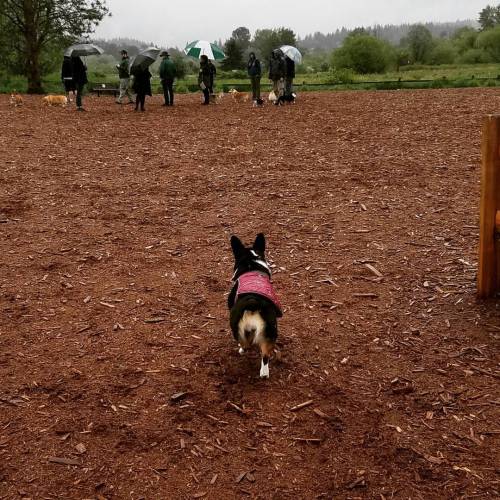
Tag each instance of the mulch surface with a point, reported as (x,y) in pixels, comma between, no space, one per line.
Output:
(119,376)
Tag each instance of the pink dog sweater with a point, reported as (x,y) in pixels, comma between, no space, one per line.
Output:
(259,284)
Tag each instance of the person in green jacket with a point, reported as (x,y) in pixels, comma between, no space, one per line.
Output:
(168,72)
(124,75)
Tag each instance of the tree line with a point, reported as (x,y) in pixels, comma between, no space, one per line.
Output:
(364,52)
(34,32)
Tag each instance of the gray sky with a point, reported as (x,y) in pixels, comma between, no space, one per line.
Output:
(176,22)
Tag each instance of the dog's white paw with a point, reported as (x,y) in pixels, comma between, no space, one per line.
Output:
(241,351)
(264,370)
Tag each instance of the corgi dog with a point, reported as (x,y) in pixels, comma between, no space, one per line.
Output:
(55,100)
(16,100)
(253,303)
(239,96)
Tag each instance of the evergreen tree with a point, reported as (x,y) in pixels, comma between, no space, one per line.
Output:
(489,17)
(234,56)
(242,37)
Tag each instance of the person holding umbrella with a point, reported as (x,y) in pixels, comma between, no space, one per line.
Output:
(67,77)
(277,72)
(142,87)
(78,69)
(289,76)
(255,74)
(80,79)
(168,73)
(124,75)
(142,77)
(205,78)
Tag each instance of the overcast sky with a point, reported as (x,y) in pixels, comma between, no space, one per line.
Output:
(177,22)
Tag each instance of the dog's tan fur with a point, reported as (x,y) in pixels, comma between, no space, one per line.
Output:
(239,96)
(16,100)
(55,100)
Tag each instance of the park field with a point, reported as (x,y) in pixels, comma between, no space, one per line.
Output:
(120,378)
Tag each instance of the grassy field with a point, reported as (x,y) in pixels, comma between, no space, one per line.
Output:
(416,76)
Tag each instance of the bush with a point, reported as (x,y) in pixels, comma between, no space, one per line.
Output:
(235,74)
(442,53)
(181,88)
(475,56)
(340,76)
(489,41)
(363,54)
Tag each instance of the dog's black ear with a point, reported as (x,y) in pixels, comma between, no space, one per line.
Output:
(237,246)
(260,243)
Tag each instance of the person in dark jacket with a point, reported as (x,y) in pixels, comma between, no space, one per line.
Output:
(277,73)
(205,78)
(213,73)
(124,76)
(255,74)
(80,80)
(289,76)
(168,72)
(67,77)
(142,87)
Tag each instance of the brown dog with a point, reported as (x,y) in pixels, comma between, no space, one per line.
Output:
(239,96)
(16,100)
(55,100)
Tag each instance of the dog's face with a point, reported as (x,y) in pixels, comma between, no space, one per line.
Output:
(249,259)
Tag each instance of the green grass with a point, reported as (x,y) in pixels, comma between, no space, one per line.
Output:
(446,76)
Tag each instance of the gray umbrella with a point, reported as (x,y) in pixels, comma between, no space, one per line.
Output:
(144,59)
(83,49)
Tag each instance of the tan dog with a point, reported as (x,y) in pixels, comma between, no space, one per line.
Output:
(219,97)
(55,100)
(16,100)
(239,96)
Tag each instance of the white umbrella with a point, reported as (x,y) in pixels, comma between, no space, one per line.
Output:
(292,52)
(83,49)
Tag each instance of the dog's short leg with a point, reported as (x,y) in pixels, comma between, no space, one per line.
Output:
(241,350)
(266,350)
(264,367)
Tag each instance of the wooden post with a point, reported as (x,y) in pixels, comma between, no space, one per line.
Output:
(489,244)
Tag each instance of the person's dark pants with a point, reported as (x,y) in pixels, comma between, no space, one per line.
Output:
(79,94)
(206,95)
(168,92)
(255,80)
(140,100)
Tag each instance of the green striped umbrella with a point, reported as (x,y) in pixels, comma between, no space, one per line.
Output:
(200,48)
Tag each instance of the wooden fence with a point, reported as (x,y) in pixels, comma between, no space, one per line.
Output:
(489,246)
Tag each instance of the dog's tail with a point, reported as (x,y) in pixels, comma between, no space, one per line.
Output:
(251,329)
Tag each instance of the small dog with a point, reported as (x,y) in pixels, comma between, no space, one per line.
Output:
(239,96)
(258,102)
(55,100)
(288,98)
(16,100)
(253,304)
(219,97)
(272,96)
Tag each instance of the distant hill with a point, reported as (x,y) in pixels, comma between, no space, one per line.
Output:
(115,45)
(391,32)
